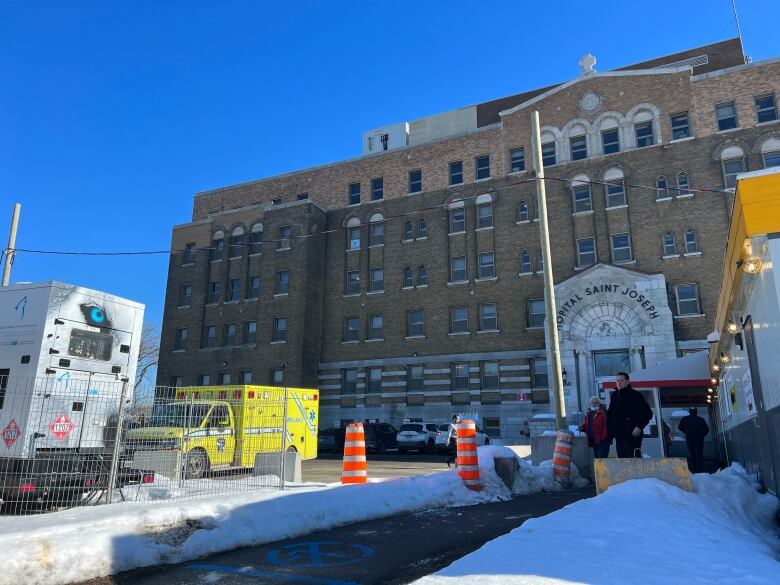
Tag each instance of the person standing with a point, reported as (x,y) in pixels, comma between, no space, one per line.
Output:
(628,414)
(595,428)
(452,440)
(695,429)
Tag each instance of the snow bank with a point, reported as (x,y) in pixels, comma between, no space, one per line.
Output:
(642,531)
(88,542)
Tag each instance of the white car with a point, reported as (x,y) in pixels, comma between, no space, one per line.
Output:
(417,436)
(443,432)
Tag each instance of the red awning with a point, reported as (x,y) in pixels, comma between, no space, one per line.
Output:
(690,370)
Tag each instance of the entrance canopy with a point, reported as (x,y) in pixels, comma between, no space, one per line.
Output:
(690,370)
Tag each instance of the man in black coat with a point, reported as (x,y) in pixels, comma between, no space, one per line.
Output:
(628,414)
(695,429)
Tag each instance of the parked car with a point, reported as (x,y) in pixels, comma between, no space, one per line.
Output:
(331,439)
(417,436)
(441,439)
(380,436)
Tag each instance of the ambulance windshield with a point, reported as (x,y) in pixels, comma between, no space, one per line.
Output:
(179,415)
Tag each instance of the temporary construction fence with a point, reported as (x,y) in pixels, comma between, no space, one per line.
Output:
(75,441)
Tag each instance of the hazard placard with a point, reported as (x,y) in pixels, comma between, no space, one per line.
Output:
(11,432)
(61,427)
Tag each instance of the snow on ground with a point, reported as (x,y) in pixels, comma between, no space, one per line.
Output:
(642,531)
(88,542)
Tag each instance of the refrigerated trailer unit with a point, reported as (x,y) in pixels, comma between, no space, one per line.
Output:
(68,355)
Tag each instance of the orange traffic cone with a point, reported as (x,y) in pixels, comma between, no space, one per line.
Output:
(468,463)
(354,468)
(561,461)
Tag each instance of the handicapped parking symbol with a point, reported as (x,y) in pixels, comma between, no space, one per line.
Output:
(319,554)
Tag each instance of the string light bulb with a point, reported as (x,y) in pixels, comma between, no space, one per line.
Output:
(732,328)
(714,381)
(724,358)
(751,265)
(715,368)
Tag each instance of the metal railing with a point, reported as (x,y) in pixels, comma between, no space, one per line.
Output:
(72,440)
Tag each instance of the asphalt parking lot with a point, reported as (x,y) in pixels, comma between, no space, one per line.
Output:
(327,467)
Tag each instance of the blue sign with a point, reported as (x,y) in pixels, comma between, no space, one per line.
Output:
(319,554)
(97,314)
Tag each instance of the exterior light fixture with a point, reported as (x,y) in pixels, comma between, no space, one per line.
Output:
(751,265)
(724,358)
(732,328)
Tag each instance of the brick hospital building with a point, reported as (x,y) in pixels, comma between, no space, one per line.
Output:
(406,282)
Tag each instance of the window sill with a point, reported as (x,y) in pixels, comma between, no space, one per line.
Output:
(729,131)
(235,258)
(459,334)
(663,199)
(375,292)
(188,264)
(513,173)
(535,328)
(685,196)
(211,304)
(413,193)
(422,286)
(375,340)
(183,306)
(457,283)
(624,262)
(213,261)
(484,229)
(350,342)
(283,249)
(376,246)
(768,122)
(456,233)
(279,342)
(678,317)
(350,295)
(479,332)
(415,337)
(410,241)
(252,299)
(624,206)
(179,350)
(689,254)
(232,302)
(456,184)
(522,221)
(686,139)
(422,238)
(256,254)
(407,288)
(482,180)
(525,274)
(352,250)
(584,267)
(487,279)
(539,272)
(278,295)
(353,204)
(670,256)
(576,213)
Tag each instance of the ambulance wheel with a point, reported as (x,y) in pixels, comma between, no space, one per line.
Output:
(197,464)
(292,449)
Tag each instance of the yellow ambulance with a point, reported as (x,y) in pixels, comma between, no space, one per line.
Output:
(225,427)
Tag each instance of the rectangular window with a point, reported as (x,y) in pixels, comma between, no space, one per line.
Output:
(376,327)
(353,194)
(610,140)
(204,380)
(377,282)
(276,377)
(487,265)
(670,245)
(282,282)
(766,109)
(484,215)
(422,228)
(415,181)
(726,115)
(516,160)
(276,200)
(280,329)
(662,188)
(482,167)
(539,378)
(377,189)
(582,199)
(681,128)
(376,234)
(217,249)
(536,312)
(616,193)
(456,172)
(422,276)
(353,237)
(683,185)
(209,336)
(522,211)
(586,252)
(176,382)
(687,297)
(253,290)
(189,253)
(460,376)
(285,237)
(236,248)
(458,269)
(579,147)
(459,320)
(525,263)
(539,262)
(644,134)
(250,332)
(490,377)
(234,289)
(731,168)
(621,247)
(772,159)
(415,323)
(414,378)
(303,196)
(181,338)
(352,283)
(374,379)
(185,295)
(255,243)
(408,278)
(548,154)
(492,426)
(691,242)
(245,377)
(351,329)
(488,317)
(457,220)
(215,290)
(229,335)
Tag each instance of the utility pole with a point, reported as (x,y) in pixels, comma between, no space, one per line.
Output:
(11,249)
(550,323)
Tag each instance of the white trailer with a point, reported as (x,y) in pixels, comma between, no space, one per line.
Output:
(67,355)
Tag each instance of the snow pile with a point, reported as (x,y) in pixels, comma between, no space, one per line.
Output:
(88,542)
(642,531)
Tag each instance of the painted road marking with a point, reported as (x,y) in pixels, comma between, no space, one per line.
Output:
(247,572)
(317,554)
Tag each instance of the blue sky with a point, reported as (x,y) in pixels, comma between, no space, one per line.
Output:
(114,114)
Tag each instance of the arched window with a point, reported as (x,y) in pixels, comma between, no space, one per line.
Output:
(217,246)
(422,228)
(422,276)
(408,231)
(376,235)
(256,239)
(236,243)
(770,152)
(691,241)
(408,278)
(732,160)
(615,188)
(662,188)
(581,199)
(353,234)
(683,185)
(670,244)
(525,262)
(522,212)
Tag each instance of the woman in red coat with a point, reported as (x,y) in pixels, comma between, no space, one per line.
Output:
(595,428)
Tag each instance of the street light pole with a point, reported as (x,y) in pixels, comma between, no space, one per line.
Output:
(11,249)
(550,322)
